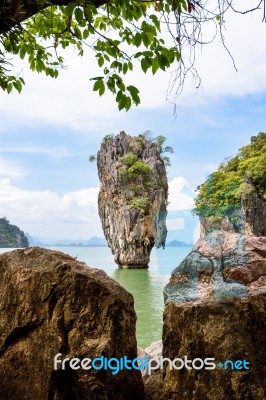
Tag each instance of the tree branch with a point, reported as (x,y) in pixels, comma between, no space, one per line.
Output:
(13,12)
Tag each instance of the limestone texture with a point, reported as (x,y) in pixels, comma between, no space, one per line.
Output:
(132,198)
(51,303)
(254,207)
(223,329)
(223,264)
(247,217)
(216,307)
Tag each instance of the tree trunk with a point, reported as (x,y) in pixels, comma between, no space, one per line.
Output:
(13,12)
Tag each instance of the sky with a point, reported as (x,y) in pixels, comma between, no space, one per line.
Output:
(48,187)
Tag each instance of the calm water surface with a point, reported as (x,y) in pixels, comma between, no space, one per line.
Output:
(146,285)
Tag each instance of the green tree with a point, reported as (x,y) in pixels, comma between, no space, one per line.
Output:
(222,190)
(160,141)
(120,34)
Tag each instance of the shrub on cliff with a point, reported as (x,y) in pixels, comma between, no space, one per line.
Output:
(222,191)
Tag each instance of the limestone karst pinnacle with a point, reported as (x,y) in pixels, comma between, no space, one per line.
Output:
(133,197)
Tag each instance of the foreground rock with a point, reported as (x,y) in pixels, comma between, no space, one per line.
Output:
(50,304)
(153,382)
(132,198)
(224,264)
(216,308)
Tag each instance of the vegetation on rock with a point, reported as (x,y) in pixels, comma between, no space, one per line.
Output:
(137,171)
(220,195)
(11,235)
(133,197)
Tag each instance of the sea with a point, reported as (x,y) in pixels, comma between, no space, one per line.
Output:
(146,285)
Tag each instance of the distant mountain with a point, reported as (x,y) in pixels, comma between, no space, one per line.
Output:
(33,241)
(11,235)
(96,241)
(178,243)
(93,241)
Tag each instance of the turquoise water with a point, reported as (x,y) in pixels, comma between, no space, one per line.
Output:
(146,285)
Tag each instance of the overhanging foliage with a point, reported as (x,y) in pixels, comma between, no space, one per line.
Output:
(120,34)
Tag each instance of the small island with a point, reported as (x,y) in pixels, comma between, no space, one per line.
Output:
(178,243)
(11,235)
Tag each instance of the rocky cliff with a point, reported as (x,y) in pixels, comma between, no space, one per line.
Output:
(216,308)
(132,199)
(215,301)
(11,235)
(247,217)
(254,208)
(50,303)
(233,198)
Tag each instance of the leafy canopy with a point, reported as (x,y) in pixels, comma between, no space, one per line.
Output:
(120,33)
(223,188)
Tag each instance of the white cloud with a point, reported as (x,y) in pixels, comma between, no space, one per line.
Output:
(47,214)
(243,35)
(54,152)
(175,223)
(73,215)
(178,200)
(10,170)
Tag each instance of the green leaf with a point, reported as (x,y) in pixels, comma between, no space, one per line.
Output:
(102,89)
(130,66)
(70,8)
(9,87)
(119,95)
(134,94)
(145,39)
(22,52)
(86,34)
(88,13)
(138,39)
(128,104)
(125,68)
(18,85)
(122,102)
(111,84)
(163,62)
(156,22)
(78,15)
(155,66)
(97,85)
(144,65)
(100,61)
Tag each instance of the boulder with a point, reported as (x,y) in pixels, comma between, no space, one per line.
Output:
(52,304)
(223,264)
(216,308)
(153,382)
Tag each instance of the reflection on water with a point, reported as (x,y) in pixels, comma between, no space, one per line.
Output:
(146,285)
